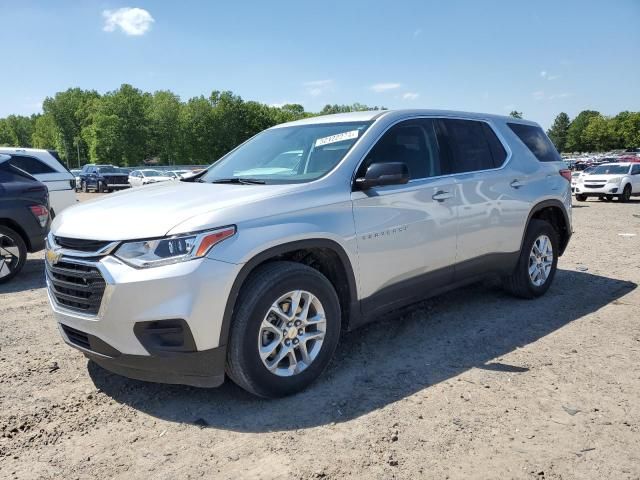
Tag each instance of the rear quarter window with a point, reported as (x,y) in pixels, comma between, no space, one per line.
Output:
(30,165)
(536,141)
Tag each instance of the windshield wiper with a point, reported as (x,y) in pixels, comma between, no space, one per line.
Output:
(239,180)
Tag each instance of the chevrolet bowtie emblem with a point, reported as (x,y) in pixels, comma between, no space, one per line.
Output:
(52,257)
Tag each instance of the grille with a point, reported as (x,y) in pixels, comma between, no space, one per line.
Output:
(80,245)
(116,180)
(594,185)
(76,287)
(77,337)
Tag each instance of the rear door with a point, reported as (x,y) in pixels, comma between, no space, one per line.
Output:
(406,234)
(490,211)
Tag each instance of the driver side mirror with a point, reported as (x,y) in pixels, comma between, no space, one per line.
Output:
(381,174)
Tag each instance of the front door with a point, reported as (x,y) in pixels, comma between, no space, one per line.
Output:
(406,234)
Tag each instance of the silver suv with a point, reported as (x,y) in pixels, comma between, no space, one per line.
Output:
(254,267)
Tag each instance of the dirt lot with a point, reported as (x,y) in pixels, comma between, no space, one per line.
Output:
(473,384)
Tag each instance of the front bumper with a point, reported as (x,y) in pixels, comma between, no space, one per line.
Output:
(606,189)
(193,293)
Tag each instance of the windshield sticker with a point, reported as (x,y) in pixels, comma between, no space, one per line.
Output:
(337,138)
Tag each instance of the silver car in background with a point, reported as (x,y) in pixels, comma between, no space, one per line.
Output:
(255,266)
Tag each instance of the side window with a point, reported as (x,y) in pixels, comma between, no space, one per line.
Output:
(635,169)
(30,165)
(471,145)
(536,141)
(412,142)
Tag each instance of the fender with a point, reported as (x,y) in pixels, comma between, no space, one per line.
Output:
(354,306)
(545,204)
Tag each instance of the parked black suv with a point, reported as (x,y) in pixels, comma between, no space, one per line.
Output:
(103,178)
(24,217)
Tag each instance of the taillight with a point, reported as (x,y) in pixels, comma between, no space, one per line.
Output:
(41,213)
(566,173)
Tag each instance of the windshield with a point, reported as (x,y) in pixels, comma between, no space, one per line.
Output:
(108,170)
(151,173)
(610,170)
(289,154)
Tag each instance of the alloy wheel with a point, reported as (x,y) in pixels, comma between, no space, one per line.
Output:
(9,255)
(540,260)
(291,333)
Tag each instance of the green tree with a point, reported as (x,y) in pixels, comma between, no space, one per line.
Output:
(515,114)
(575,142)
(164,134)
(70,111)
(598,135)
(558,131)
(18,130)
(45,133)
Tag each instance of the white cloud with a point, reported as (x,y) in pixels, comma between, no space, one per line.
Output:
(132,21)
(318,87)
(556,96)
(410,96)
(547,76)
(384,87)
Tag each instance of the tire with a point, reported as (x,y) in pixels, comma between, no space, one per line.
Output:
(581,198)
(608,198)
(265,286)
(626,194)
(100,187)
(13,253)
(520,282)
(83,187)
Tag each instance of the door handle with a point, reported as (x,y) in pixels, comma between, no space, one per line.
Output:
(516,184)
(441,195)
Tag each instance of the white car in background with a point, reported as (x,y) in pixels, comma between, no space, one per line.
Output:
(46,167)
(621,180)
(177,174)
(137,178)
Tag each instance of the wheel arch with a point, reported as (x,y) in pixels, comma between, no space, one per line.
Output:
(7,222)
(324,255)
(555,213)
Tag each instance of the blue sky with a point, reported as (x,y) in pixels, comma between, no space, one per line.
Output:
(539,57)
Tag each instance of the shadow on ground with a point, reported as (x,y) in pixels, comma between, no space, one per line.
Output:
(31,277)
(387,361)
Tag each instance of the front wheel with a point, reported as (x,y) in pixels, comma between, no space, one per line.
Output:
(285,329)
(537,263)
(581,198)
(13,254)
(84,187)
(626,194)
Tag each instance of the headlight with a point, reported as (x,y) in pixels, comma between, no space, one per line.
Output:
(615,180)
(165,251)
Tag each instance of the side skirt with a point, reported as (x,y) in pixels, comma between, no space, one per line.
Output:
(417,289)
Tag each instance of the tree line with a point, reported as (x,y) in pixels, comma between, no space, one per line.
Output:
(128,126)
(590,131)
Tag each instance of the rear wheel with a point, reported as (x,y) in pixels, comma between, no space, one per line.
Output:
(537,264)
(286,326)
(626,194)
(13,254)
(581,198)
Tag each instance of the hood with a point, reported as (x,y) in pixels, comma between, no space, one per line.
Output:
(154,210)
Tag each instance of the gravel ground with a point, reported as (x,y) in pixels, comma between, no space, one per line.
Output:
(472,384)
